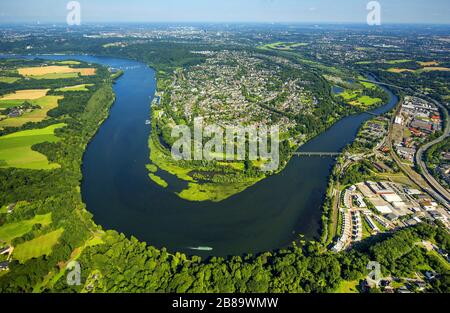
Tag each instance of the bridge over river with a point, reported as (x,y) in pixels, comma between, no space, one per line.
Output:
(321,154)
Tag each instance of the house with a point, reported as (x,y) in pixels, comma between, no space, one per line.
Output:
(430,275)
(392,217)
(14,113)
(11,208)
(4,250)
(4,266)
(422,125)
(446,156)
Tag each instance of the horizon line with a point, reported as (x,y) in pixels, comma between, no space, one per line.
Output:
(39,23)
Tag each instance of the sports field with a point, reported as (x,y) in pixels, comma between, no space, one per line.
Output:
(15,148)
(14,230)
(37,247)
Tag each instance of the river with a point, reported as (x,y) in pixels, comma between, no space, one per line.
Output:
(267,216)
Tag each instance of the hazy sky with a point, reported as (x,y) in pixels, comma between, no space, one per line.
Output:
(302,11)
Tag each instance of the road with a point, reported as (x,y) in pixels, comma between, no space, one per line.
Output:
(414,176)
(442,191)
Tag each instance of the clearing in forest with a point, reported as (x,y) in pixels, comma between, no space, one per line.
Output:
(16,148)
(37,247)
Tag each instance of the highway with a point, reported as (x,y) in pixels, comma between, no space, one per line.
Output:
(444,194)
(433,187)
(413,175)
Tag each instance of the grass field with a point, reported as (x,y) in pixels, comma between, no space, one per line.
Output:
(55,72)
(152,168)
(391,62)
(286,46)
(159,181)
(366,101)
(434,254)
(8,80)
(419,71)
(240,166)
(397,61)
(354,98)
(400,70)
(348,287)
(57,76)
(368,85)
(432,69)
(431,63)
(216,192)
(4,104)
(69,62)
(15,148)
(82,87)
(37,247)
(14,230)
(45,103)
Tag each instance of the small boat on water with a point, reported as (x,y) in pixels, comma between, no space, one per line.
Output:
(148,122)
(201,248)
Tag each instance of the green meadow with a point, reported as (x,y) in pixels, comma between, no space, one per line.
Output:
(68,62)
(37,247)
(45,104)
(8,80)
(14,230)
(15,148)
(5,104)
(56,76)
(285,46)
(159,181)
(82,87)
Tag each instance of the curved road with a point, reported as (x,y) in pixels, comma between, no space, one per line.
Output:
(413,175)
(432,186)
(444,195)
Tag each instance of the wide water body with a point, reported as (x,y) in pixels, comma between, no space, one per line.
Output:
(269,215)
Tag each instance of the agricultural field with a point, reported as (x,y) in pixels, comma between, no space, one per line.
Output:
(429,66)
(83,87)
(37,247)
(38,100)
(284,46)
(356,92)
(17,229)
(55,72)
(30,94)
(8,80)
(69,62)
(430,63)
(400,70)
(16,148)
(355,98)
